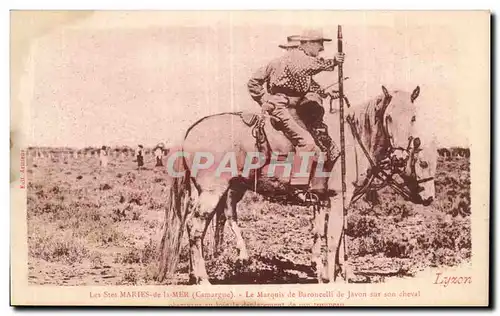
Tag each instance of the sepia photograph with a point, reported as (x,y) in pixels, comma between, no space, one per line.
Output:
(250,158)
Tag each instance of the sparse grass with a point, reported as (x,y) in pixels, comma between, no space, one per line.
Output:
(105,236)
(149,273)
(440,236)
(132,256)
(129,278)
(56,248)
(143,255)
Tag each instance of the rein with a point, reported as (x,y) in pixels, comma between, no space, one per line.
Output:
(384,170)
(376,172)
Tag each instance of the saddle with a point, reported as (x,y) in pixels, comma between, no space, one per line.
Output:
(251,119)
(318,132)
(257,122)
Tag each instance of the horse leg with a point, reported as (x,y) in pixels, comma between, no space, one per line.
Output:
(220,223)
(196,224)
(233,197)
(318,234)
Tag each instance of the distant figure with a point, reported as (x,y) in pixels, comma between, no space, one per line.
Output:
(139,153)
(103,157)
(158,152)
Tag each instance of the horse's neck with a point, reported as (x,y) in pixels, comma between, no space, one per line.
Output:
(374,139)
(371,134)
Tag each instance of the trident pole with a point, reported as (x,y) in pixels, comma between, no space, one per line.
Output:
(342,142)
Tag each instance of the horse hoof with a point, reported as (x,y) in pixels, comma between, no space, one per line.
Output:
(243,258)
(204,282)
(322,280)
(347,274)
(192,279)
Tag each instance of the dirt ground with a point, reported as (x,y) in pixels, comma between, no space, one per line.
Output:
(93,226)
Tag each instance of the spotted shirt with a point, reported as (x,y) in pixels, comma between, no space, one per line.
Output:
(290,74)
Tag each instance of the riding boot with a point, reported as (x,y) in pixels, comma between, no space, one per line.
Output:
(319,184)
(325,142)
(300,178)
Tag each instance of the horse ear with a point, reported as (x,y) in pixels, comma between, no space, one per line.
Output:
(415,94)
(386,93)
(384,103)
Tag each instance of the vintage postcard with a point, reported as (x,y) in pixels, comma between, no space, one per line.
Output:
(250,158)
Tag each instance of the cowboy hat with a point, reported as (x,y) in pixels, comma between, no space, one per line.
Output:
(288,45)
(291,42)
(310,36)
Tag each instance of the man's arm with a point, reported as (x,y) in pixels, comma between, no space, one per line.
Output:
(315,87)
(256,84)
(316,65)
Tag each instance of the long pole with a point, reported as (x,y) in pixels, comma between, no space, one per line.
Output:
(342,142)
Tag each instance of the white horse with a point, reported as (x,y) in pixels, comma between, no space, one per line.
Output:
(382,147)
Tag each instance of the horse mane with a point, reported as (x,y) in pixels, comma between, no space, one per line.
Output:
(368,122)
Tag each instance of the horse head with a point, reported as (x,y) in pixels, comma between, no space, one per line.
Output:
(409,148)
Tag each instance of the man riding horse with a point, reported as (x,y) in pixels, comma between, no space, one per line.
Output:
(381,127)
(285,89)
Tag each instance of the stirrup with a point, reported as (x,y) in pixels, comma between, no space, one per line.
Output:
(306,197)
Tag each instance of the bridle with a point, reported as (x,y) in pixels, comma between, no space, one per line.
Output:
(396,162)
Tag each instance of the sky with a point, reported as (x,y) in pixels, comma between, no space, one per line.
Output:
(124,78)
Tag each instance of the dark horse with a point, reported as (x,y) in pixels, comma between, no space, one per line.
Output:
(380,132)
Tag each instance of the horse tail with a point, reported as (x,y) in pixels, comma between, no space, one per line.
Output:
(176,213)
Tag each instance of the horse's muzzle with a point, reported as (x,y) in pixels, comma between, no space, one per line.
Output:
(428,201)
